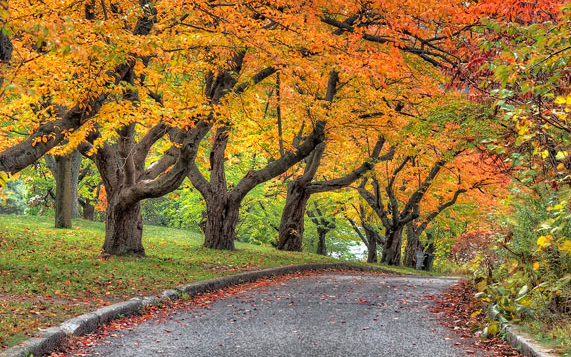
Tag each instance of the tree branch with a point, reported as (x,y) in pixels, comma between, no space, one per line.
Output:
(279,166)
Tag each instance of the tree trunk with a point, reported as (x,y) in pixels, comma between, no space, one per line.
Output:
(88,211)
(321,246)
(372,245)
(75,166)
(63,202)
(124,228)
(412,243)
(392,246)
(291,225)
(221,218)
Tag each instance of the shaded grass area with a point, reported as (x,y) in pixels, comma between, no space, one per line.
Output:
(48,275)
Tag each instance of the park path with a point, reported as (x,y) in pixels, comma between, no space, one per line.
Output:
(331,314)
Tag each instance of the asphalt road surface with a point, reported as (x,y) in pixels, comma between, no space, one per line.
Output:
(332,314)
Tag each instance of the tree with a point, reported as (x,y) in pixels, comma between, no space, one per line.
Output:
(323,225)
(415,228)
(300,190)
(304,84)
(393,218)
(371,238)
(67,186)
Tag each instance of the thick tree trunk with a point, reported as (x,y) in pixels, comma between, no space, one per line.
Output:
(291,225)
(321,246)
(392,246)
(63,203)
(372,245)
(412,244)
(221,218)
(124,228)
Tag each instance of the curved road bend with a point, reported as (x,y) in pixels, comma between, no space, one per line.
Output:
(332,314)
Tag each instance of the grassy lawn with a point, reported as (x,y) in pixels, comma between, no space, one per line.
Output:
(48,275)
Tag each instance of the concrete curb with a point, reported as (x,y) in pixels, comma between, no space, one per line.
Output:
(522,342)
(50,339)
(525,344)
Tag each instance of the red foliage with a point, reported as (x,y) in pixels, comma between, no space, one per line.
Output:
(470,244)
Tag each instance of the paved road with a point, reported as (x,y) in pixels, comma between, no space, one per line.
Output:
(334,314)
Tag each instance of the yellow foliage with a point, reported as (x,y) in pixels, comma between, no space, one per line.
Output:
(565,246)
(544,241)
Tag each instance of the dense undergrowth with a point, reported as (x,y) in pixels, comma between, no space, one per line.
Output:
(524,274)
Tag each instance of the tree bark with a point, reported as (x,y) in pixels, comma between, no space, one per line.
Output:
(73,182)
(221,219)
(291,224)
(124,228)
(372,246)
(63,203)
(392,247)
(412,244)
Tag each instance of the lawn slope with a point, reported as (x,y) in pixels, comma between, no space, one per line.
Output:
(48,275)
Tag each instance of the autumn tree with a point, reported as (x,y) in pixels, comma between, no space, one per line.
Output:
(366,231)
(300,190)
(323,225)
(438,162)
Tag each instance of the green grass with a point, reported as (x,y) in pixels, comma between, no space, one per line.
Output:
(48,275)
(553,333)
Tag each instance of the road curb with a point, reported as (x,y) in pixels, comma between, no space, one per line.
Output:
(50,339)
(525,344)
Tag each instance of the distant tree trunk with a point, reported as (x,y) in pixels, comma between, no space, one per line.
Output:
(63,204)
(321,246)
(324,225)
(392,247)
(74,182)
(371,237)
(69,184)
(88,211)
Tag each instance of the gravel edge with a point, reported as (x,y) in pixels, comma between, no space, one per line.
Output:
(52,338)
